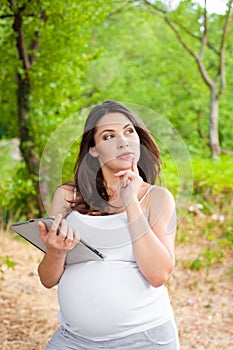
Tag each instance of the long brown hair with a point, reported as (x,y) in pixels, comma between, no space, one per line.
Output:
(92,196)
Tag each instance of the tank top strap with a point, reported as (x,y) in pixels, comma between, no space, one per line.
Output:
(75,194)
(74,198)
(148,190)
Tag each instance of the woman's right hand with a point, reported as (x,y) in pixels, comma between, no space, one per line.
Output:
(60,243)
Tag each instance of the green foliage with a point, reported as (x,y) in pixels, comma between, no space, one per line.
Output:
(88,54)
(213,188)
(130,70)
(5,262)
(17,194)
(212,180)
(169,170)
(144,63)
(207,258)
(57,75)
(213,176)
(231,270)
(227,240)
(216,234)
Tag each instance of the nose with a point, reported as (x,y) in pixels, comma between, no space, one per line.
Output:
(122,142)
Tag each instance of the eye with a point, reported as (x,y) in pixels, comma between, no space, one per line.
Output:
(107,137)
(129,131)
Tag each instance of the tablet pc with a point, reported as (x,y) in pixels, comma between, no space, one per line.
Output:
(29,230)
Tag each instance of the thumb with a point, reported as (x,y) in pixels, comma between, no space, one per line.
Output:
(43,229)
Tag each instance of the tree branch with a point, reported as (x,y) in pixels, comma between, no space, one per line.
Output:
(11,4)
(6,16)
(226,151)
(197,58)
(221,71)
(198,37)
(34,47)
(12,15)
(120,8)
(155,9)
(205,34)
(26,59)
(199,129)
(209,82)
(20,41)
(18,29)
(162,12)
(179,37)
(22,8)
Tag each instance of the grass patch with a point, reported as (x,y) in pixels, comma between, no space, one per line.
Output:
(213,176)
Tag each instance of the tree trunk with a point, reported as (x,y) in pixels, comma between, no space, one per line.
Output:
(213,128)
(27,144)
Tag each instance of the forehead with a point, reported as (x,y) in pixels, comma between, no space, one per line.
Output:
(112,119)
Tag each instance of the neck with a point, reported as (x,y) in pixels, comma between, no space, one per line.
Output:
(111,184)
(110,181)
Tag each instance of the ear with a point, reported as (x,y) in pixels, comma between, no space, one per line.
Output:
(93,152)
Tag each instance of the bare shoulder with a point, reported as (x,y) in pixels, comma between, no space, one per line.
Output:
(161,205)
(62,199)
(159,192)
(160,197)
(68,190)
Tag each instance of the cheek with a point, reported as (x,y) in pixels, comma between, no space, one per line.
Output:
(106,151)
(135,146)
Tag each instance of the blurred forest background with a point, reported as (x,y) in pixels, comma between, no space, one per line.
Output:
(172,57)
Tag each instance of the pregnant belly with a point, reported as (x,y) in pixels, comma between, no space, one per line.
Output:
(99,298)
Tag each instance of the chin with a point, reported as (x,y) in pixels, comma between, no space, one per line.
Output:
(126,163)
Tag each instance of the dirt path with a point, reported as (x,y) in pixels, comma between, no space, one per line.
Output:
(28,311)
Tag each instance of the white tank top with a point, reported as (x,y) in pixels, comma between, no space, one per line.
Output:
(103,300)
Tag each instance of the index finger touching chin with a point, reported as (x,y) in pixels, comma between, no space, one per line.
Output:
(135,167)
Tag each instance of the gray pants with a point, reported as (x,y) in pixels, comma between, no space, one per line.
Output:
(163,337)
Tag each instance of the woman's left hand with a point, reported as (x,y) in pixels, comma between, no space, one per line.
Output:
(130,183)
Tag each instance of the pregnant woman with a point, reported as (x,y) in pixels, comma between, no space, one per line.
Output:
(119,302)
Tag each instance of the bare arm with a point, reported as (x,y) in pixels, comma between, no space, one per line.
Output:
(153,234)
(153,237)
(51,267)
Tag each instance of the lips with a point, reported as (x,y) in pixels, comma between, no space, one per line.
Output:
(125,155)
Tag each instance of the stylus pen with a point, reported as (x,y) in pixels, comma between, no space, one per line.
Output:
(92,249)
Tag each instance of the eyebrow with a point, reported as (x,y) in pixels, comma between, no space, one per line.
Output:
(112,130)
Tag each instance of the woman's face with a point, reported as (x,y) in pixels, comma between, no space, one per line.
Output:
(117,143)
